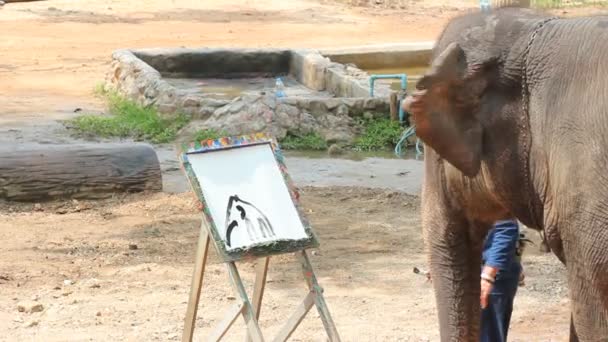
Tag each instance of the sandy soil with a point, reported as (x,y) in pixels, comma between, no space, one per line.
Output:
(75,259)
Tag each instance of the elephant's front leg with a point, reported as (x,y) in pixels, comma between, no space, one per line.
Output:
(587,268)
(455,266)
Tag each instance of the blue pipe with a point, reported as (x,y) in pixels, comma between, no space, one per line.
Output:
(373,78)
(402,77)
(412,129)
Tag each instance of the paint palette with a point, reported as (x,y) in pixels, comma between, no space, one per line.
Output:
(247,196)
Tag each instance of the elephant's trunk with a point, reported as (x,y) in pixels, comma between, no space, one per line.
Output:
(457,296)
(455,263)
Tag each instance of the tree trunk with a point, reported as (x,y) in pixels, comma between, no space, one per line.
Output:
(37,173)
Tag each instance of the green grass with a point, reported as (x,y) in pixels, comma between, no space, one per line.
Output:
(310,141)
(128,119)
(379,134)
(209,134)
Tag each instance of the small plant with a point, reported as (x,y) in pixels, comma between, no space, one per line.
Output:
(129,119)
(379,134)
(209,134)
(309,141)
(100,90)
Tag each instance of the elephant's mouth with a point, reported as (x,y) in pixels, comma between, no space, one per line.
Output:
(414,103)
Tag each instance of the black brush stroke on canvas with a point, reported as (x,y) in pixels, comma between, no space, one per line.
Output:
(248,217)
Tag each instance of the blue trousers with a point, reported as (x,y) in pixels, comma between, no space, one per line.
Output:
(496,317)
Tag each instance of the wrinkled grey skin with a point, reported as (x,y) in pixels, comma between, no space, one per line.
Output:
(487,158)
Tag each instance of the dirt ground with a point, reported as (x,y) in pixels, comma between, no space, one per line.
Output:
(75,258)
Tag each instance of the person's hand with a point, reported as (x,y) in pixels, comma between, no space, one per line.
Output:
(486,286)
(486,289)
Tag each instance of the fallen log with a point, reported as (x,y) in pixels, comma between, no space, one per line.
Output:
(9,1)
(35,173)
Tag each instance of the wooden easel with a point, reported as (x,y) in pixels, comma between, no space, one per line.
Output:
(251,311)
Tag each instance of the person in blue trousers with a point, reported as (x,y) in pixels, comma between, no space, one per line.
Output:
(500,278)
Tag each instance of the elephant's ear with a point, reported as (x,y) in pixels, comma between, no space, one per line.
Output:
(445,109)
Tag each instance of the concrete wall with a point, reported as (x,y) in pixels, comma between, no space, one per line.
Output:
(382,56)
(207,62)
(139,75)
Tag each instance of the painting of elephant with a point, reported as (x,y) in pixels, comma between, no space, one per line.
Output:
(513,112)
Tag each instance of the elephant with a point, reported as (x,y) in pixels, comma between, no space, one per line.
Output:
(513,114)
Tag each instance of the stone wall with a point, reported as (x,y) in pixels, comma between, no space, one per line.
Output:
(139,76)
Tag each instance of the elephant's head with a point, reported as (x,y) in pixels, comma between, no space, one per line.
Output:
(446,107)
(475,70)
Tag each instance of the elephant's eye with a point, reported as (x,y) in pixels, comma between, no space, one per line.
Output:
(423,83)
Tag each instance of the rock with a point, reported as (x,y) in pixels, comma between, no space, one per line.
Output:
(151,93)
(231,297)
(220,112)
(29,307)
(375,103)
(332,104)
(292,100)
(237,106)
(215,103)
(368,115)
(98,313)
(38,207)
(317,107)
(342,110)
(289,110)
(307,123)
(270,101)
(250,98)
(335,150)
(92,283)
(335,135)
(191,101)
(133,246)
(68,282)
(32,323)
(204,113)
(167,108)
(61,211)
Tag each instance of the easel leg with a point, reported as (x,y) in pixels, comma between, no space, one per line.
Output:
(313,285)
(197,283)
(250,317)
(258,289)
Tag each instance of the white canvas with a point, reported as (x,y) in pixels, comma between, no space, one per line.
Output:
(252,174)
